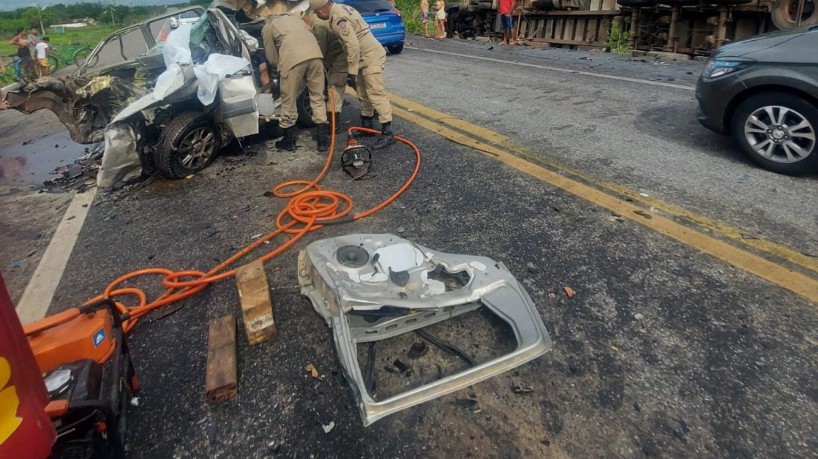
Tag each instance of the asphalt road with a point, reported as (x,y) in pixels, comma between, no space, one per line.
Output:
(664,351)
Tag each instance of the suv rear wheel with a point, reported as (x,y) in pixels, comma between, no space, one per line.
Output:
(777,131)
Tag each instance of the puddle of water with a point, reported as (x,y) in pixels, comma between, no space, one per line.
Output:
(33,163)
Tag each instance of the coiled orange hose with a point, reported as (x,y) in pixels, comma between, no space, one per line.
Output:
(309,208)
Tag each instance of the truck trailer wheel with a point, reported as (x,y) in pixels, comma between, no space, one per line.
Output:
(190,143)
(784,14)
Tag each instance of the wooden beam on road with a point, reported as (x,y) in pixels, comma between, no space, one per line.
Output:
(221,381)
(256,306)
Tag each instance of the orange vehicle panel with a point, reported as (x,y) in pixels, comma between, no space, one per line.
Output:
(88,336)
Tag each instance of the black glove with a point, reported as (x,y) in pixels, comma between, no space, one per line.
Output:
(352,80)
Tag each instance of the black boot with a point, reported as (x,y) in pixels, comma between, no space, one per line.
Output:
(322,131)
(288,142)
(367,122)
(387,137)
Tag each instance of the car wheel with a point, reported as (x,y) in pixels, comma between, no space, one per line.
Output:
(777,131)
(395,49)
(190,143)
(304,110)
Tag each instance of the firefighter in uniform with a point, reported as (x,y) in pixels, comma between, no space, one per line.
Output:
(292,49)
(365,64)
(335,61)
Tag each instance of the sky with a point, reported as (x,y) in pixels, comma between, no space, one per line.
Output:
(13,4)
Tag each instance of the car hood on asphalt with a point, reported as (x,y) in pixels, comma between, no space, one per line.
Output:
(760,43)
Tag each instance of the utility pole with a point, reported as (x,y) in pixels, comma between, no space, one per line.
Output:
(40,14)
(112,13)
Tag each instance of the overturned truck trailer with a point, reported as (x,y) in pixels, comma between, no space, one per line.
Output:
(694,27)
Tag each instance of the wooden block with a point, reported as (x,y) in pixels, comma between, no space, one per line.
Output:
(221,381)
(256,307)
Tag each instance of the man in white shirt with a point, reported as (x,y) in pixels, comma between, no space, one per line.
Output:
(42,56)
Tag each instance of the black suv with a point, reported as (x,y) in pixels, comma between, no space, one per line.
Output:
(764,93)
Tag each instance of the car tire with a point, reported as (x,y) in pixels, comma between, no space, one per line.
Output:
(304,110)
(190,142)
(395,49)
(777,131)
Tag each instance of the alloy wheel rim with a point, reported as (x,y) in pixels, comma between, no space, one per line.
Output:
(780,134)
(196,148)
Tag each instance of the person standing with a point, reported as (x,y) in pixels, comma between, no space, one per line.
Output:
(33,38)
(424,16)
(23,54)
(504,13)
(292,49)
(366,59)
(335,61)
(42,50)
(440,18)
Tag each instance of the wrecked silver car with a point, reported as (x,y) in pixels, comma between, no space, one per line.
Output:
(166,96)
(375,287)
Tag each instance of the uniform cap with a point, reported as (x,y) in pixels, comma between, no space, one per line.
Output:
(318,4)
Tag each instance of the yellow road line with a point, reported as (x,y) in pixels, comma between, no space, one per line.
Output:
(775,249)
(742,259)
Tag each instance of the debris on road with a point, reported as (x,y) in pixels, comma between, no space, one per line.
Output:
(328,427)
(569,292)
(80,175)
(15,262)
(402,367)
(469,403)
(348,281)
(518,388)
(310,368)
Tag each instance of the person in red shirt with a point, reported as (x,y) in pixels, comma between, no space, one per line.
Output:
(507,21)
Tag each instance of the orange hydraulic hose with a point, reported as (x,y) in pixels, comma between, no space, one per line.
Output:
(309,208)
